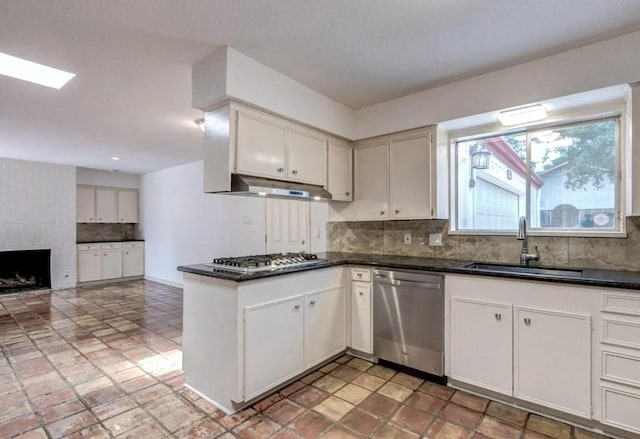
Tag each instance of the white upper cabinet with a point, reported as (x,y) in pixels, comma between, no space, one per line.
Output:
(395,177)
(261,146)
(307,158)
(372,182)
(267,146)
(85,204)
(127,206)
(409,177)
(106,207)
(340,172)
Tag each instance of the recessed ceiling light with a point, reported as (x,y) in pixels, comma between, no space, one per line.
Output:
(115,158)
(33,72)
(522,115)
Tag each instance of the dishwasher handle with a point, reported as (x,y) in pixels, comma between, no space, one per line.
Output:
(408,283)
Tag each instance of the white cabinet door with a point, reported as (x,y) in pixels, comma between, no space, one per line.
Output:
(372,182)
(106,205)
(272,344)
(552,359)
(361,328)
(132,262)
(261,145)
(127,206)
(324,325)
(287,225)
(89,266)
(481,344)
(85,205)
(307,158)
(340,170)
(409,178)
(111,264)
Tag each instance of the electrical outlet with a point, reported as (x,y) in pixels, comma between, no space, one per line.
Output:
(435,239)
(407,238)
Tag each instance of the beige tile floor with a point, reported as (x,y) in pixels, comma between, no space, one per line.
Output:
(101,362)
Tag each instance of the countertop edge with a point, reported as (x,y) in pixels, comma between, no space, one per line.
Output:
(590,278)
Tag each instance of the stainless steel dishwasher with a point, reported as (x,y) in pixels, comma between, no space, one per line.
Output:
(408,319)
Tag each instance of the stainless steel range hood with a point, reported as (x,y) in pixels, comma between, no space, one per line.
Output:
(264,187)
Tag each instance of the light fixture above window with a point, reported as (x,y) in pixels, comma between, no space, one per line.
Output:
(33,72)
(522,115)
(200,123)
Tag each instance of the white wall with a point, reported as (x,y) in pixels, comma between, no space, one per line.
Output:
(249,81)
(610,62)
(96,177)
(38,211)
(181,225)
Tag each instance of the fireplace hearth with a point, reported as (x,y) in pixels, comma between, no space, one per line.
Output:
(23,270)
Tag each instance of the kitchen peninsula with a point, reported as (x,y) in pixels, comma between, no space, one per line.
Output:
(250,333)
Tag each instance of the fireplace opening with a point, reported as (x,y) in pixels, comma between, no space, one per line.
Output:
(22,270)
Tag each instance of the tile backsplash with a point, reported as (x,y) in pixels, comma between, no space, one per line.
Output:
(86,232)
(387,237)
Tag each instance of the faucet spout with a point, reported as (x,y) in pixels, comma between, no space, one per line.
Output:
(525,256)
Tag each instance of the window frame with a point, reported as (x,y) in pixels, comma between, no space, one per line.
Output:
(559,120)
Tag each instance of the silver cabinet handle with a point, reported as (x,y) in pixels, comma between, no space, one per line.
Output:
(527,321)
(498,316)
(410,283)
(280,169)
(294,172)
(313,302)
(296,307)
(359,274)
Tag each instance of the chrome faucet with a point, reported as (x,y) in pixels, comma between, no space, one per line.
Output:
(525,257)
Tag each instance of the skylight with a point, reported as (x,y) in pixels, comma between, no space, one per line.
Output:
(33,72)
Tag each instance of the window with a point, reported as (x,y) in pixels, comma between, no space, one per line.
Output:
(562,178)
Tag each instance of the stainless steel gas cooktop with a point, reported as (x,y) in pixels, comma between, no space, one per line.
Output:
(274,261)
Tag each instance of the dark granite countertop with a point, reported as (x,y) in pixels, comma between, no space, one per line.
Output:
(591,277)
(109,240)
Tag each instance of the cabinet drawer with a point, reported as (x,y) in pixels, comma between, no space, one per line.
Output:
(108,245)
(621,333)
(133,244)
(621,368)
(83,247)
(620,409)
(361,274)
(621,303)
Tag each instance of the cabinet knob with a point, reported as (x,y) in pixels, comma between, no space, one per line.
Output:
(91,219)
(296,307)
(121,219)
(104,254)
(347,193)
(359,275)
(397,211)
(294,172)
(527,321)
(280,169)
(99,219)
(361,293)
(382,212)
(313,302)
(498,316)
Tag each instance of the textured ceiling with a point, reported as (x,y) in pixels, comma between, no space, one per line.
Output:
(131,96)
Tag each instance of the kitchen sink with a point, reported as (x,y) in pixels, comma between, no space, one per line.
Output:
(519,269)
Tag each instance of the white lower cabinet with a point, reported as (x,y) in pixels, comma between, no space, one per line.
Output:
(552,359)
(89,265)
(324,325)
(527,340)
(273,344)
(361,322)
(621,407)
(481,348)
(111,263)
(132,262)
(110,260)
